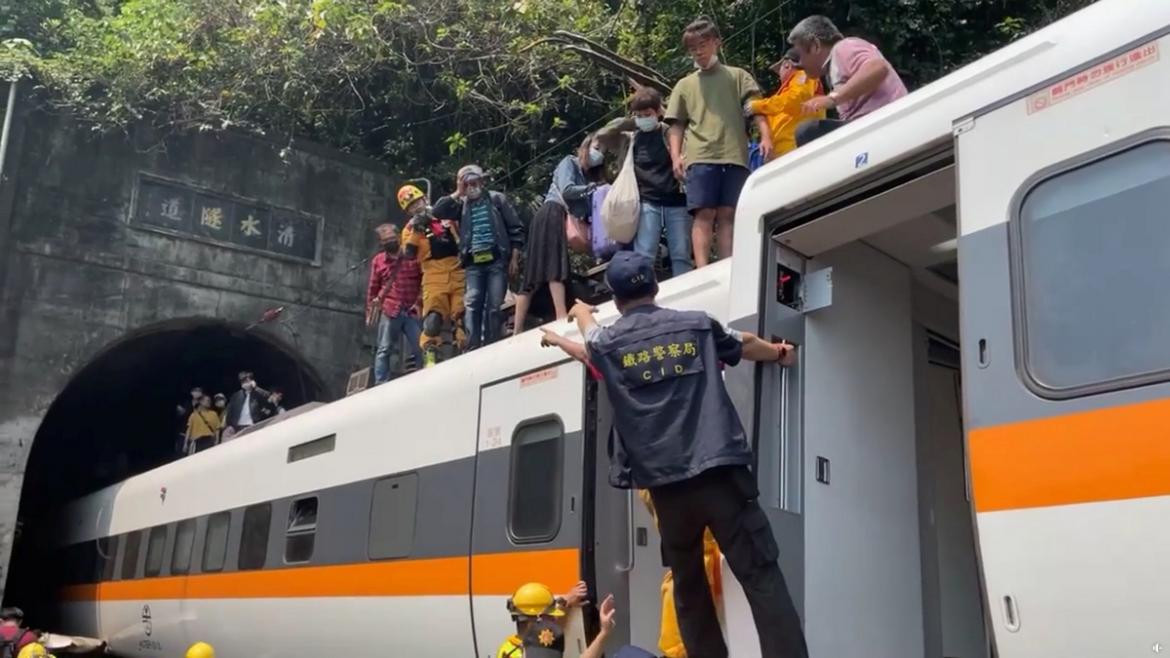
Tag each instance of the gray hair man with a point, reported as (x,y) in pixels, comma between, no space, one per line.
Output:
(860,80)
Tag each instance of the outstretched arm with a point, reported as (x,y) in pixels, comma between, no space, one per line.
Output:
(758,349)
(571,347)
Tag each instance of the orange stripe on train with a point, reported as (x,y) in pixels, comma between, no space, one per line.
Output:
(1106,454)
(491,574)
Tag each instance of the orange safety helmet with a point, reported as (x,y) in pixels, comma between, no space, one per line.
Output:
(408,194)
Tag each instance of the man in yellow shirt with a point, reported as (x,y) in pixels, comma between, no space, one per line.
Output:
(782,109)
(202,427)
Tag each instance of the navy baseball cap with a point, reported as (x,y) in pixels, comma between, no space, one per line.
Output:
(633,652)
(631,275)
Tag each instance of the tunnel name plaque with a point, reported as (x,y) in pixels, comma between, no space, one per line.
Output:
(222,219)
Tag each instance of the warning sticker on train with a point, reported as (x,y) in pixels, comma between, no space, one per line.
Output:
(1093,77)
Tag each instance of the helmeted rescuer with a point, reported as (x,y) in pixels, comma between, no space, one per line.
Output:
(435,243)
(677,434)
(200,650)
(537,613)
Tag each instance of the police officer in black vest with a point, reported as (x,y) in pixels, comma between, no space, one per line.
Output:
(678,435)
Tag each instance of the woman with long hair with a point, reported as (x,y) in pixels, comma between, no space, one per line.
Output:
(547,252)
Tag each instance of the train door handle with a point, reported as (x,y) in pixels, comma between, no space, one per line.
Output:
(1011,614)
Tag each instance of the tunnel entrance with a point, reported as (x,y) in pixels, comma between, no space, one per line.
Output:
(118,417)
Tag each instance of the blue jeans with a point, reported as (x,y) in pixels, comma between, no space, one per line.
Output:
(391,330)
(483,297)
(678,235)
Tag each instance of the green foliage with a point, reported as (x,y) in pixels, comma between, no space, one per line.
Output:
(428,86)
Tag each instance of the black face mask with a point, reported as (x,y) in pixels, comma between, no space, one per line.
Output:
(390,247)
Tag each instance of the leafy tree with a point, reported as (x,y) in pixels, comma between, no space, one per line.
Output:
(428,86)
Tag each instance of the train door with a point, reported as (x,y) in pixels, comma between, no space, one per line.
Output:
(1063,261)
(527,516)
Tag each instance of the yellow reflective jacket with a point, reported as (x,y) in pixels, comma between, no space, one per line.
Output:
(782,110)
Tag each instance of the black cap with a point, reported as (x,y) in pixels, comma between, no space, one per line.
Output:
(790,56)
(631,275)
(544,639)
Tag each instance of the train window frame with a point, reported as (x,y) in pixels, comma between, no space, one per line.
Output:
(388,512)
(300,533)
(207,545)
(516,497)
(253,553)
(108,557)
(156,547)
(133,550)
(180,527)
(1017,258)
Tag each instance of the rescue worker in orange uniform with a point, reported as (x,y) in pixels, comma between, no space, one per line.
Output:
(435,243)
(670,640)
(782,109)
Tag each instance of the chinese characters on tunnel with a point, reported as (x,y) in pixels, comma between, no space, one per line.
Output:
(176,208)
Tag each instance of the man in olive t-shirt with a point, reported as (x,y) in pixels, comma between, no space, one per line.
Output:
(708,108)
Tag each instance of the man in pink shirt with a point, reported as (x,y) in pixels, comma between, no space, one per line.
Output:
(860,79)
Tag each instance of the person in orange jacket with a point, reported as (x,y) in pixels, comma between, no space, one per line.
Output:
(782,109)
(435,243)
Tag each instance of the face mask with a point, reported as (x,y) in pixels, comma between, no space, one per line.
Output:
(422,211)
(646,124)
(595,157)
(710,63)
(249,386)
(474,193)
(390,247)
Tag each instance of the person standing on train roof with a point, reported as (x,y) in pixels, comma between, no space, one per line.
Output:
(677,434)
(434,241)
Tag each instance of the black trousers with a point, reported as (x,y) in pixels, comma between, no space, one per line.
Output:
(814,128)
(724,499)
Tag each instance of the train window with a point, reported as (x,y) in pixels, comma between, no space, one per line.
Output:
(302,530)
(392,517)
(108,556)
(130,556)
(155,550)
(254,538)
(215,541)
(534,488)
(1091,267)
(184,544)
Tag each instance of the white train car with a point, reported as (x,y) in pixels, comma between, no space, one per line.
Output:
(1002,228)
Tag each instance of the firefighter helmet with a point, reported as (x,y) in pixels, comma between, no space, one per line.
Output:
(408,194)
(534,600)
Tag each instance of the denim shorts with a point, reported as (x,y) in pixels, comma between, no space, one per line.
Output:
(714,185)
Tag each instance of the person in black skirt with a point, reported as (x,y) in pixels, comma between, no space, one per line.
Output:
(547,251)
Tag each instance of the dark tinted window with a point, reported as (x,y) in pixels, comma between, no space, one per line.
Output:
(156,550)
(215,541)
(184,544)
(1094,269)
(254,537)
(534,492)
(130,555)
(302,530)
(392,516)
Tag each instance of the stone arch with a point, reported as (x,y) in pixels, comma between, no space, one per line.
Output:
(116,415)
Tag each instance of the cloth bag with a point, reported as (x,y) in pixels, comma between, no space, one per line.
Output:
(619,212)
(603,245)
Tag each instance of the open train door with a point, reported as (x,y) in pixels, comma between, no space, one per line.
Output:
(1064,258)
(527,515)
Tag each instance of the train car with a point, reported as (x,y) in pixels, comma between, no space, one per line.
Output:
(967,460)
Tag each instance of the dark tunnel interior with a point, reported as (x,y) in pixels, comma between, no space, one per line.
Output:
(117,417)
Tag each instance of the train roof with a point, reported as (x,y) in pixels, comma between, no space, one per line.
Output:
(427,417)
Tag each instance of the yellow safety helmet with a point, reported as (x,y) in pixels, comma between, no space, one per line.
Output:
(34,650)
(534,600)
(408,194)
(201,650)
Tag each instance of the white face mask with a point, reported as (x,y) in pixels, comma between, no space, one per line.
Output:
(710,63)
(595,157)
(474,193)
(646,124)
